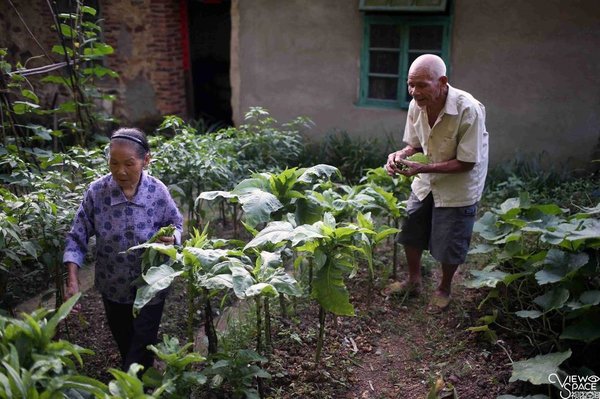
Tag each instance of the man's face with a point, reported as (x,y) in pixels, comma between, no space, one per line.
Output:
(426,90)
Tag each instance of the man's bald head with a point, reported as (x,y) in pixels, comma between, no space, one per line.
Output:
(431,64)
(427,82)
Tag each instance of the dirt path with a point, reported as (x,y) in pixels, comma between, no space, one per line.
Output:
(410,350)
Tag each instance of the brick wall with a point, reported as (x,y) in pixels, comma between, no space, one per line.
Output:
(146,36)
(148,57)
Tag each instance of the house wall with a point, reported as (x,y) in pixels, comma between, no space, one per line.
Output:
(532,63)
(28,44)
(146,36)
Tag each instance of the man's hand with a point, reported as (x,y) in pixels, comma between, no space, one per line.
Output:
(411,168)
(391,167)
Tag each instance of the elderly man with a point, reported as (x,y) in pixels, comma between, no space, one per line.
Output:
(447,125)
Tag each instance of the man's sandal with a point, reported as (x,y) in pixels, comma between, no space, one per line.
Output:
(401,288)
(438,303)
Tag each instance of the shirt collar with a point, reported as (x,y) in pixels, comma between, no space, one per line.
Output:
(117,196)
(450,107)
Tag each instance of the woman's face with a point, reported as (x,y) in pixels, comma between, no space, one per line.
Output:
(125,165)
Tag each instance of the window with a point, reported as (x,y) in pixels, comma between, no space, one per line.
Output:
(391,44)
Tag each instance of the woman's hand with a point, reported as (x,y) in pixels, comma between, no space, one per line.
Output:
(72,285)
(167,240)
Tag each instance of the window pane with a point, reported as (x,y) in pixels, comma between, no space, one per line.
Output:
(426,37)
(383,88)
(383,62)
(387,36)
(414,54)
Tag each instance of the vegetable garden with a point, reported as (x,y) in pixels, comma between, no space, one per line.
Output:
(299,250)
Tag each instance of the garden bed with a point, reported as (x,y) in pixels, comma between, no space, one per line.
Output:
(391,349)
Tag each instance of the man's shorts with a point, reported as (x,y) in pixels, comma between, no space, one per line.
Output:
(446,232)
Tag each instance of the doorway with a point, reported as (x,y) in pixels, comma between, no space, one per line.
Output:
(210,41)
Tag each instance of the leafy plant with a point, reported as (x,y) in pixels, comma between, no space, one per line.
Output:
(239,371)
(178,378)
(330,251)
(34,365)
(545,271)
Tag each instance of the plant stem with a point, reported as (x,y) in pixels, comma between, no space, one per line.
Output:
(283,305)
(258,326)
(321,334)
(268,341)
(209,327)
(191,309)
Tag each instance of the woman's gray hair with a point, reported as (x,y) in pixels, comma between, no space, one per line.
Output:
(133,136)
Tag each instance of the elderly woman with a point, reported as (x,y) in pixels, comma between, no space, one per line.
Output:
(122,209)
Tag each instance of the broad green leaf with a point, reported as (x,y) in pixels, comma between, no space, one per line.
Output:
(62,312)
(212,195)
(549,209)
(218,282)
(589,229)
(530,314)
(307,211)
(536,370)
(304,233)
(285,283)
(554,299)
(273,233)
(591,297)
(586,330)
(157,279)
(560,265)
(381,235)
(203,258)
(261,289)
(482,249)
(242,280)
(485,278)
(318,171)
(168,250)
(258,205)
(331,292)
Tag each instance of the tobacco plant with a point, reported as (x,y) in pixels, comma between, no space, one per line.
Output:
(330,249)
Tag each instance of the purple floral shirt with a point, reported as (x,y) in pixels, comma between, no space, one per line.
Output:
(119,224)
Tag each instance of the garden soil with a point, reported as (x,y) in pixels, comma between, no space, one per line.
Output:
(392,348)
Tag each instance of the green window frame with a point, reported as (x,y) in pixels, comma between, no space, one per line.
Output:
(407,28)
